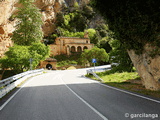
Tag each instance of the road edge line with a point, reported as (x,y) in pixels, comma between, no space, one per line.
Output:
(130,93)
(92,108)
(10,98)
(6,102)
(124,91)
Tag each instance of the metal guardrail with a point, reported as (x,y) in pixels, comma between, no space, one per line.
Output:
(10,83)
(94,74)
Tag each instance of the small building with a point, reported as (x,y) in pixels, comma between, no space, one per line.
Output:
(70,45)
(49,63)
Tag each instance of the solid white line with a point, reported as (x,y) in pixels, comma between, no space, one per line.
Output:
(2,106)
(133,94)
(96,111)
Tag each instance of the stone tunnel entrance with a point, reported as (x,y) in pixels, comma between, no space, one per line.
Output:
(49,66)
(49,63)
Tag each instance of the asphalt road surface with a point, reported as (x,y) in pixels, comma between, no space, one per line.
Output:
(68,95)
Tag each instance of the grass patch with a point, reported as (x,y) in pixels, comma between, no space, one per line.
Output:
(1,87)
(127,81)
(118,77)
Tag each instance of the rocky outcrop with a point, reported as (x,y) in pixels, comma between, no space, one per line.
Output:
(49,9)
(147,67)
(6,26)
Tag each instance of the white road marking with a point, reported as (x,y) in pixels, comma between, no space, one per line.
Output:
(2,106)
(133,94)
(96,111)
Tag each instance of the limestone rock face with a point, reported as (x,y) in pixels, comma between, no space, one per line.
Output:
(147,67)
(6,26)
(48,8)
(6,9)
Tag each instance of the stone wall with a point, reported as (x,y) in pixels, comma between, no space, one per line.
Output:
(67,45)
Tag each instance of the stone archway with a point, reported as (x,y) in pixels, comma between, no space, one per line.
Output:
(49,66)
(48,63)
(85,47)
(79,49)
(73,49)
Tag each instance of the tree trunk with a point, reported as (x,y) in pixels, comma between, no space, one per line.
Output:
(1,76)
(147,67)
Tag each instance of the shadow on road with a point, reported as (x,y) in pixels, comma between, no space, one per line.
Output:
(57,102)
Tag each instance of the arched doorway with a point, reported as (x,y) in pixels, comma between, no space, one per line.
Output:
(79,49)
(73,49)
(49,66)
(85,47)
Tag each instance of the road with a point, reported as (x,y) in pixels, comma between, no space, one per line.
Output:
(68,95)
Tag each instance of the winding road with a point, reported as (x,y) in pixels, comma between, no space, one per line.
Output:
(68,95)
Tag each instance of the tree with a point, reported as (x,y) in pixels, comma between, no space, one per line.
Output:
(99,54)
(104,43)
(75,19)
(17,58)
(28,29)
(119,55)
(41,50)
(38,52)
(103,35)
(92,35)
(136,25)
(67,33)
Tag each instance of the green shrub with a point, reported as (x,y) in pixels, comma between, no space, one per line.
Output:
(66,62)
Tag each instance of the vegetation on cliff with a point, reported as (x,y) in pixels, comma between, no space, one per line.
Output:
(136,25)
(28,29)
(81,19)
(26,37)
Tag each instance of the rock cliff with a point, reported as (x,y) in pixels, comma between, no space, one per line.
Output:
(49,9)
(6,26)
(147,67)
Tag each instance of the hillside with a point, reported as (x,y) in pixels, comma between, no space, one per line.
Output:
(48,8)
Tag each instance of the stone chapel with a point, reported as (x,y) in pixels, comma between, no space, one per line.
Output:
(70,45)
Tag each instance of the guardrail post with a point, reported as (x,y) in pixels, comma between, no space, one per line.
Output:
(95,75)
